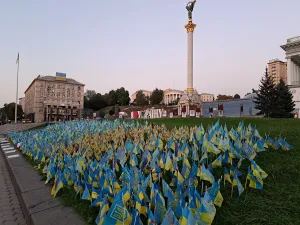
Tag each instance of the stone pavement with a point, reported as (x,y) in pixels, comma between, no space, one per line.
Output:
(10,208)
(29,194)
(6,128)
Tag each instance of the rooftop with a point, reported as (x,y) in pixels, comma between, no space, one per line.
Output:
(206,94)
(294,39)
(53,78)
(275,60)
(291,43)
(174,90)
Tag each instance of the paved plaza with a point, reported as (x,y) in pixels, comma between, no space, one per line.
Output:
(10,208)
(5,129)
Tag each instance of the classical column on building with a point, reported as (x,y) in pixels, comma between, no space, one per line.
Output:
(292,51)
(289,71)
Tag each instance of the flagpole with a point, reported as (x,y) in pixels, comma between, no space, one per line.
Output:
(16,106)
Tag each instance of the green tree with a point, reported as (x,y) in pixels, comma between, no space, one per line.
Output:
(8,112)
(265,101)
(236,96)
(111,98)
(141,99)
(122,96)
(97,102)
(156,97)
(88,95)
(285,105)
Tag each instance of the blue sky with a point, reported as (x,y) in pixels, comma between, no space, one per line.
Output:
(142,44)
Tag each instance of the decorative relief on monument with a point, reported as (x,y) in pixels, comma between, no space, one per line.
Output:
(190,27)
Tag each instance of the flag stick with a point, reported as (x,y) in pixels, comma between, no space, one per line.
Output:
(16,106)
(124,209)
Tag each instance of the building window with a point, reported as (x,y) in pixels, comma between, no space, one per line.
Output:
(79,88)
(58,86)
(78,94)
(42,92)
(68,93)
(63,95)
(58,96)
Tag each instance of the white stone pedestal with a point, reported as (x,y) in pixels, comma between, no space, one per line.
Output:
(188,99)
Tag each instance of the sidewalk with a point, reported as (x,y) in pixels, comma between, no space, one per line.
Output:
(6,128)
(10,208)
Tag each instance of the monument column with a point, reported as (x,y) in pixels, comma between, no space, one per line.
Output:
(190,31)
(190,96)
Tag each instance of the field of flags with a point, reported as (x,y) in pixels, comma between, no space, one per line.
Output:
(138,173)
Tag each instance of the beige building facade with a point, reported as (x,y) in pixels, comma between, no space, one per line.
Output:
(277,70)
(172,96)
(52,98)
(22,103)
(205,97)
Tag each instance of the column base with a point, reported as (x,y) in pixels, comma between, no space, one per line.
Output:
(189,104)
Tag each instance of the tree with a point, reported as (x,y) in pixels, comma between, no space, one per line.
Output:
(265,101)
(224,97)
(97,102)
(141,99)
(156,97)
(8,112)
(284,106)
(111,98)
(89,94)
(122,96)
(254,91)
(236,96)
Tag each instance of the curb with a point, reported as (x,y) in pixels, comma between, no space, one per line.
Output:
(38,206)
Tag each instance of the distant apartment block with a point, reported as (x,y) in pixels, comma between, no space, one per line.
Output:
(205,97)
(277,70)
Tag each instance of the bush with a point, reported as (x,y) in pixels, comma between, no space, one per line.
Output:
(111,112)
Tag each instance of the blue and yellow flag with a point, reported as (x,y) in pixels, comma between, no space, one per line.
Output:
(206,174)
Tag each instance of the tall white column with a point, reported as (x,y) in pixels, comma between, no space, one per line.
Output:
(289,71)
(190,31)
(190,61)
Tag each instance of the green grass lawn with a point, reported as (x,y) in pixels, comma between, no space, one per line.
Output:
(277,204)
(279,201)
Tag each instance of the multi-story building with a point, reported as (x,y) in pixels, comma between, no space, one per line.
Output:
(53,98)
(205,97)
(277,70)
(292,52)
(172,96)
(22,103)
